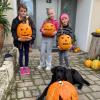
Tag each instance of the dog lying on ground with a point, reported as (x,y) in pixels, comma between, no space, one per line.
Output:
(60,73)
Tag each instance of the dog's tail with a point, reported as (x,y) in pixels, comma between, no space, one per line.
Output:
(86,82)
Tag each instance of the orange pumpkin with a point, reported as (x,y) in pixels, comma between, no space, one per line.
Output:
(77,49)
(49,29)
(24,31)
(64,42)
(63,90)
(88,63)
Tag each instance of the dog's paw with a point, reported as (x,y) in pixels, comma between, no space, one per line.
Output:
(80,87)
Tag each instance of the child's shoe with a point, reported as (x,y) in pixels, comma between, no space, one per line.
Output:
(27,70)
(48,68)
(22,71)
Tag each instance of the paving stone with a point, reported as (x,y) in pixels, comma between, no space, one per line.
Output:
(24,84)
(27,94)
(38,81)
(20,94)
(93,77)
(96,94)
(83,97)
(33,98)
(32,87)
(35,93)
(90,96)
(95,87)
(86,89)
(13,95)
(22,88)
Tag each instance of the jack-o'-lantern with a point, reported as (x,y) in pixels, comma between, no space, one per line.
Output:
(24,31)
(64,42)
(49,29)
(62,90)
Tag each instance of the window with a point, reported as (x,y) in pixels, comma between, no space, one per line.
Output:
(49,1)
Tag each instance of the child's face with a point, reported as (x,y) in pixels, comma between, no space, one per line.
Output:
(51,13)
(65,21)
(22,12)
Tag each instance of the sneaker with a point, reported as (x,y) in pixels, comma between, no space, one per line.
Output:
(22,71)
(27,70)
(39,67)
(48,68)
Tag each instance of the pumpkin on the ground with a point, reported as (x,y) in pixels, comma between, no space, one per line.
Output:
(49,29)
(64,42)
(96,64)
(98,30)
(62,90)
(77,49)
(24,31)
(88,63)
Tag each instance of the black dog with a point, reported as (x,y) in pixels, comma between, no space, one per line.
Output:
(62,73)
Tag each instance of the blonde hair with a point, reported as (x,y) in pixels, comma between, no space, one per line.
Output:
(48,9)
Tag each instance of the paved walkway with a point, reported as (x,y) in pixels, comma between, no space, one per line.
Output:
(30,86)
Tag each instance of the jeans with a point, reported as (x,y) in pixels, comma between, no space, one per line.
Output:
(45,53)
(63,56)
(24,49)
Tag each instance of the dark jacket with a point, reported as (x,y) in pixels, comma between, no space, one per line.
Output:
(15,23)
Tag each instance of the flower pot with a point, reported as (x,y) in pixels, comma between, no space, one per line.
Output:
(1,36)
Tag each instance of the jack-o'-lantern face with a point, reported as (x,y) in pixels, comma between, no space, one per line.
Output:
(64,42)
(24,31)
(49,29)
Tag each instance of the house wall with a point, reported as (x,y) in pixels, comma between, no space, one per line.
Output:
(95,19)
(83,19)
(10,15)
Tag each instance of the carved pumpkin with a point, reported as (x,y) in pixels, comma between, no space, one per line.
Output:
(62,90)
(49,29)
(24,31)
(64,42)
(88,63)
(96,64)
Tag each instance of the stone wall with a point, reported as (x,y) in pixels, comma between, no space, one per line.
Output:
(7,75)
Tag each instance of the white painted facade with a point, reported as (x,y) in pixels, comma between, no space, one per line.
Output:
(87,19)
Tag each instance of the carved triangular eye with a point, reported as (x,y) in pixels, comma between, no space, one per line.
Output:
(27,28)
(21,29)
(62,37)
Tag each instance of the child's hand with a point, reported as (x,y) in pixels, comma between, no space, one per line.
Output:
(58,47)
(55,32)
(42,30)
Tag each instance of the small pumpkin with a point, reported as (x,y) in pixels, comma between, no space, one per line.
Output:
(77,49)
(64,42)
(49,29)
(24,31)
(98,30)
(88,63)
(96,64)
(62,90)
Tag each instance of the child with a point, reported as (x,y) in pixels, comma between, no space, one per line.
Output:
(23,46)
(64,29)
(47,42)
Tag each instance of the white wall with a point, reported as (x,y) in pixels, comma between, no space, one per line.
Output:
(83,16)
(10,15)
(95,19)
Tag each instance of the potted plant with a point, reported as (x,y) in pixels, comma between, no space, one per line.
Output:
(4,23)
